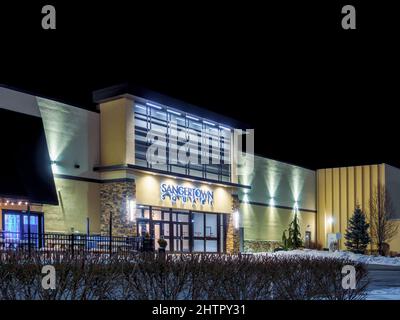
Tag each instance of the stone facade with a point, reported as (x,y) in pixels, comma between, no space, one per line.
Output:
(232,234)
(113,201)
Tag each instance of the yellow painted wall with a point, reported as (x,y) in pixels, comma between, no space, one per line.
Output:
(117,131)
(339,190)
(268,223)
(148,193)
(77,201)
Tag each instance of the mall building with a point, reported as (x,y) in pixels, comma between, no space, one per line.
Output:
(78,169)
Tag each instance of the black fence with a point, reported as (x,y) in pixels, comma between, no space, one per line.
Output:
(72,243)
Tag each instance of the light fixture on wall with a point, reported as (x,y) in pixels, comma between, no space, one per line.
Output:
(272,202)
(330,220)
(54,165)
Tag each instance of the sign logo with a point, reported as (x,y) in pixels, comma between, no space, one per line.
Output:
(186,194)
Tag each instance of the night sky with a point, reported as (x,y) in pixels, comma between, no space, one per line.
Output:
(317,96)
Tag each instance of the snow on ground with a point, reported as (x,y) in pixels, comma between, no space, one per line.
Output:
(378,260)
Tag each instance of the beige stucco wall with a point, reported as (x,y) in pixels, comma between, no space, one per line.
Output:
(148,193)
(78,200)
(117,132)
(268,223)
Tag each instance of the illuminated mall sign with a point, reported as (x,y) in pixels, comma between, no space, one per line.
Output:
(186,194)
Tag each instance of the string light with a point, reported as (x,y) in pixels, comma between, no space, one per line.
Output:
(4,202)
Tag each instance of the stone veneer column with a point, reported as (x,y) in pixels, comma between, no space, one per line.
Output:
(232,235)
(113,199)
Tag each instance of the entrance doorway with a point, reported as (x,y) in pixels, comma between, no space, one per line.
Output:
(184,231)
(18,224)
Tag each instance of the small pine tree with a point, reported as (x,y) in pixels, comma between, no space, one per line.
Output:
(294,240)
(357,237)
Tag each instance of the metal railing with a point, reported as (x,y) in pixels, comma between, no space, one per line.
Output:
(73,243)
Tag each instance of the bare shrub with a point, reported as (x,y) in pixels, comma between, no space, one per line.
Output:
(177,277)
(382,214)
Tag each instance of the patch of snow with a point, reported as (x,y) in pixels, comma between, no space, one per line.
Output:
(367,259)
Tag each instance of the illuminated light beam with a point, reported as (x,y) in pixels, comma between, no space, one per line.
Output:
(174,112)
(192,118)
(209,123)
(153,105)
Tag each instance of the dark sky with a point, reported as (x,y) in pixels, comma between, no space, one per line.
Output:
(317,95)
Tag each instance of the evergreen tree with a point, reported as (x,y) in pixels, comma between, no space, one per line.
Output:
(294,240)
(357,237)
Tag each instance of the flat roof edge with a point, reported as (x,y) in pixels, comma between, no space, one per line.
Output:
(126,89)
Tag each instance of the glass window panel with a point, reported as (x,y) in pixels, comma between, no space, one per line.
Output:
(166,229)
(198,224)
(196,173)
(144,228)
(158,114)
(198,245)
(183,217)
(185,245)
(140,109)
(146,213)
(12,223)
(159,129)
(166,216)
(178,169)
(156,214)
(139,213)
(140,162)
(212,176)
(157,234)
(160,167)
(218,141)
(211,246)
(211,225)
(221,239)
(177,245)
(34,224)
(185,230)
(177,230)
(195,125)
(140,123)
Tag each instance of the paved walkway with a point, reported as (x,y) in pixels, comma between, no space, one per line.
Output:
(384,282)
(383,277)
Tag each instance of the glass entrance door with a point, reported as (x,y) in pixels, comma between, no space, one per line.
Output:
(180,231)
(18,224)
(181,237)
(184,231)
